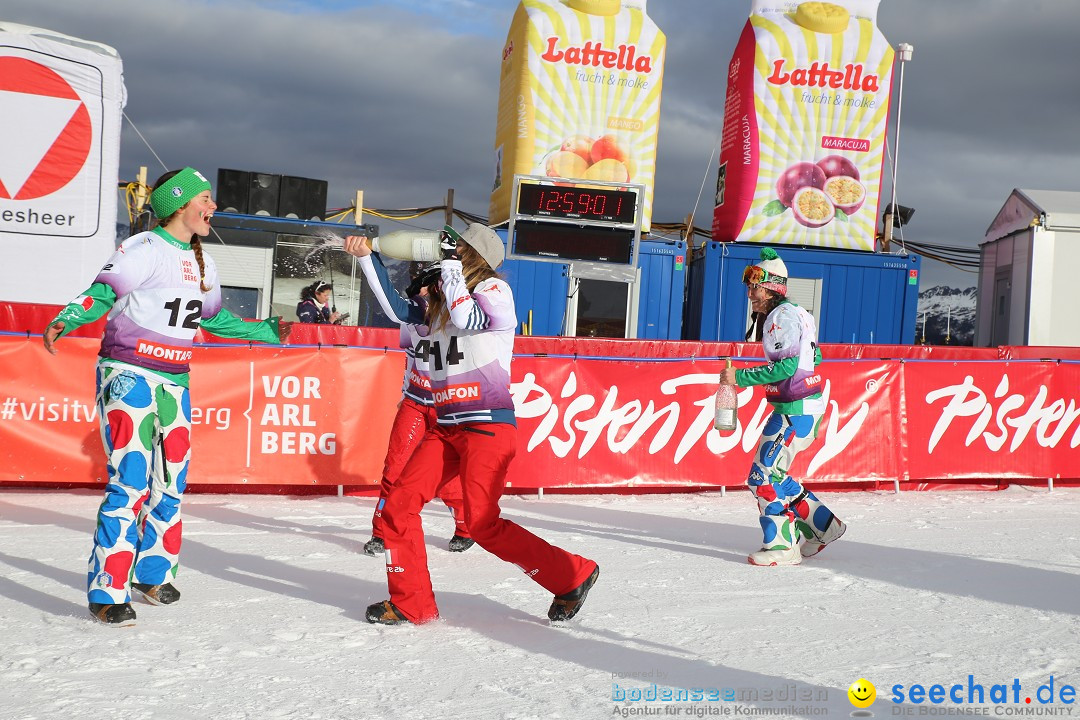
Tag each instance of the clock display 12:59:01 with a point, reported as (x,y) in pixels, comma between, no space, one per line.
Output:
(577,203)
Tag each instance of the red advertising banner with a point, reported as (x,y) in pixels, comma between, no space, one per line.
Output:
(590,414)
(1011,420)
(260,415)
(639,422)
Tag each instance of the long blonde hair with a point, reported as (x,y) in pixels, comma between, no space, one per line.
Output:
(474,268)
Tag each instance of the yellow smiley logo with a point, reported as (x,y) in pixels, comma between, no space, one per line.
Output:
(862,693)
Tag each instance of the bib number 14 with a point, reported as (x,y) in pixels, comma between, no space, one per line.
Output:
(431,352)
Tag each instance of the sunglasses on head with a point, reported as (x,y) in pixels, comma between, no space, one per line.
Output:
(755,275)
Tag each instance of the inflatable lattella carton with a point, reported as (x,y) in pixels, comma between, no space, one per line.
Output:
(579,96)
(804,126)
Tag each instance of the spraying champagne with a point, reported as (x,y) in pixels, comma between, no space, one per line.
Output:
(417,245)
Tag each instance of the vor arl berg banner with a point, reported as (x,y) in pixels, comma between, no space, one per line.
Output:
(60,106)
(804,126)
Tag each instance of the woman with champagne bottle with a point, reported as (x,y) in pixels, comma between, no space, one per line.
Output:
(793,387)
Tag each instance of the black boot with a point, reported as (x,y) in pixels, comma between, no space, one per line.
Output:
(564,607)
(158,594)
(385,613)
(374,546)
(460,543)
(119,615)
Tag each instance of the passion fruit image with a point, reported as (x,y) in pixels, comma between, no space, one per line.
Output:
(833,165)
(812,207)
(796,177)
(846,193)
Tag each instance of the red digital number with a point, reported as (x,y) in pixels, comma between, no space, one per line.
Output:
(567,205)
(584,204)
(552,203)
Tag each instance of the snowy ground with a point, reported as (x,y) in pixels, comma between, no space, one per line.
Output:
(926,588)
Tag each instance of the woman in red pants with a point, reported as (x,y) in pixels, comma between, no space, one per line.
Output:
(470,322)
(415,417)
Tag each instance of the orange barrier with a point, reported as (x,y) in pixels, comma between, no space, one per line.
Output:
(613,414)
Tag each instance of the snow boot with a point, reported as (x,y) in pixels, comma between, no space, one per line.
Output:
(781,542)
(460,543)
(768,557)
(566,606)
(374,546)
(158,594)
(119,615)
(814,545)
(385,613)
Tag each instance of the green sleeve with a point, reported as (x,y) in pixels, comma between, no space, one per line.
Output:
(227,325)
(76,314)
(766,374)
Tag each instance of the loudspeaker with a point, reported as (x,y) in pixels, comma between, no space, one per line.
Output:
(232,190)
(316,200)
(291,197)
(263,190)
(302,198)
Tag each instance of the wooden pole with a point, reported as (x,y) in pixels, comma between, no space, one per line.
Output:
(450,206)
(140,190)
(358,213)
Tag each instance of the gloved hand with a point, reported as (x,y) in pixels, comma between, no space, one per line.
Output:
(425,277)
(449,246)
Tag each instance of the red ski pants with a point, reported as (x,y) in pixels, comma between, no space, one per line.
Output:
(412,422)
(480,453)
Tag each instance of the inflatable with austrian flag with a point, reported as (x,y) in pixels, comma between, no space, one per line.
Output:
(61,101)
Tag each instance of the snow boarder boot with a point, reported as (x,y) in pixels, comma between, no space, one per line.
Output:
(460,543)
(119,615)
(768,557)
(566,606)
(374,546)
(385,613)
(781,546)
(158,594)
(814,545)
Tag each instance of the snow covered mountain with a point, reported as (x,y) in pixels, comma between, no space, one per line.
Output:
(946,316)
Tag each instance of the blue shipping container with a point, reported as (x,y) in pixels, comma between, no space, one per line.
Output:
(542,287)
(857,297)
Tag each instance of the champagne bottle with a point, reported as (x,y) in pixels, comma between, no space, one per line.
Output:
(418,245)
(726,415)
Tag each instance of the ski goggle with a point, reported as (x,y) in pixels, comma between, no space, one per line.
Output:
(755,275)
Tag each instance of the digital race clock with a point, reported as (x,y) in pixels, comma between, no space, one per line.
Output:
(593,224)
(596,204)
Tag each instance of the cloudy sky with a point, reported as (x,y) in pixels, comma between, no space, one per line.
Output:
(399,98)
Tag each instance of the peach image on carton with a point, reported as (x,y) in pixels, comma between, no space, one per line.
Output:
(581,156)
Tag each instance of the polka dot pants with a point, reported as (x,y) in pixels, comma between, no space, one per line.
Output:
(786,507)
(146,431)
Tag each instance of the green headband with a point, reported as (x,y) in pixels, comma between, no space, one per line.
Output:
(177,192)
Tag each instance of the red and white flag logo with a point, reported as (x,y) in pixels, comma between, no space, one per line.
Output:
(45,130)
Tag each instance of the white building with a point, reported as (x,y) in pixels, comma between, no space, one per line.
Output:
(1029,274)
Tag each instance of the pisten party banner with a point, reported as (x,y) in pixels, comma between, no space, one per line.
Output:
(320,415)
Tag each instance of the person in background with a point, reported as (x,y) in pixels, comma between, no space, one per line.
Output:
(470,321)
(314,305)
(415,418)
(793,387)
(158,289)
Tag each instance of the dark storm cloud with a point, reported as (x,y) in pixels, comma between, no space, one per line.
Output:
(402,105)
